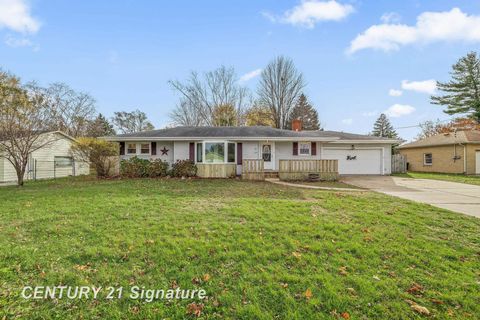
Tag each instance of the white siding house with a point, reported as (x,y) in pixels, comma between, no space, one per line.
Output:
(356,154)
(51,161)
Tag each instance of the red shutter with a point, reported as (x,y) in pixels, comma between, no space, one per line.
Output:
(295,148)
(153,148)
(122,148)
(239,153)
(314,148)
(192,151)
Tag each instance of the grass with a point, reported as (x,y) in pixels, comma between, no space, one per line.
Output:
(461,178)
(261,251)
(325,184)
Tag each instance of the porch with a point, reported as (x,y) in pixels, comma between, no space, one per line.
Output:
(291,170)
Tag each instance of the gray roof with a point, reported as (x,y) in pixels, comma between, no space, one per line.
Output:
(247,132)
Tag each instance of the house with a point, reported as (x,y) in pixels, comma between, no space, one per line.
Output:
(454,152)
(231,146)
(53,160)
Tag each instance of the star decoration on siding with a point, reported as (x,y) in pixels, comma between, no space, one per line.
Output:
(164,151)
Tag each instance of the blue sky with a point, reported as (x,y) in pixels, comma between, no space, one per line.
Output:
(354,54)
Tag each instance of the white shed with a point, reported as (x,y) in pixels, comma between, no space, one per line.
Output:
(51,161)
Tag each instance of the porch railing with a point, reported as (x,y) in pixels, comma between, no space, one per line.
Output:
(253,169)
(301,169)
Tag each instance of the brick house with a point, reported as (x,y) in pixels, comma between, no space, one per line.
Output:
(455,152)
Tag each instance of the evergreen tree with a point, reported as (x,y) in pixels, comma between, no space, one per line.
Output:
(462,92)
(383,128)
(305,112)
(100,127)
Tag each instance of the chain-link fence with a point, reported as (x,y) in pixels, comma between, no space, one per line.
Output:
(60,167)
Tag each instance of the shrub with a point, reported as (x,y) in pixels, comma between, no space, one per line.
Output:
(134,168)
(184,168)
(103,155)
(157,168)
(140,168)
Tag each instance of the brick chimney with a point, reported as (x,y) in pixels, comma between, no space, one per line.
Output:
(297,125)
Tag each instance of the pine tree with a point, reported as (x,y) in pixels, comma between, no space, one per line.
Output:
(304,111)
(100,127)
(462,92)
(383,128)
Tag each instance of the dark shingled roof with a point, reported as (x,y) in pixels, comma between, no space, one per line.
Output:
(248,132)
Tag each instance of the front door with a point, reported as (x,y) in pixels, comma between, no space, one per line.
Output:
(268,156)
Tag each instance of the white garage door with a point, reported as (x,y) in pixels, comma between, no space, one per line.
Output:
(359,161)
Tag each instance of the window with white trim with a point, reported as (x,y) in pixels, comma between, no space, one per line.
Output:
(427,159)
(131,148)
(304,148)
(145,148)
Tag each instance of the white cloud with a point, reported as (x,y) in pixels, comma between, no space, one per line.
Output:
(310,12)
(369,113)
(399,110)
(390,17)
(15,15)
(453,25)
(14,42)
(395,93)
(250,75)
(347,121)
(427,86)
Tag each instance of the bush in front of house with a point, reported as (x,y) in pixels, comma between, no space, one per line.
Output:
(184,168)
(141,168)
(157,168)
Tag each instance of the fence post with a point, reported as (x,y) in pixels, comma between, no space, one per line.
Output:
(73,167)
(35,170)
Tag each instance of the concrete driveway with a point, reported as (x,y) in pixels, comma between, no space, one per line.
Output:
(458,197)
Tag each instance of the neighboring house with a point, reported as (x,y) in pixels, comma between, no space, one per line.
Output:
(53,160)
(455,152)
(357,154)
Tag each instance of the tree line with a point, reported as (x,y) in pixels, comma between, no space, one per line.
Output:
(217,98)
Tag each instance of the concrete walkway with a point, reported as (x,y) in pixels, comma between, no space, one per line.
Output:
(458,197)
(298,185)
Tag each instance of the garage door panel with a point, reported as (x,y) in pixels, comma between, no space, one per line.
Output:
(358,161)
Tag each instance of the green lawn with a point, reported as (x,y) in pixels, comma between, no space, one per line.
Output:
(475,180)
(261,251)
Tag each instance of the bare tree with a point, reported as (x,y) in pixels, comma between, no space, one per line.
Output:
(71,111)
(280,87)
(200,96)
(24,117)
(185,114)
(129,122)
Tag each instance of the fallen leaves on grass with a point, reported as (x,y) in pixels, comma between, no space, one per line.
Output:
(296,254)
(343,271)
(418,308)
(195,309)
(308,294)
(345,315)
(415,288)
(206,277)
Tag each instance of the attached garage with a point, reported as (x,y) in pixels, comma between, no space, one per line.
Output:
(357,161)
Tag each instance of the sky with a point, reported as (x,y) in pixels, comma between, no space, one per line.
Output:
(359,58)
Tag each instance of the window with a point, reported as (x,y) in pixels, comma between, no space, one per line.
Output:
(131,148)
(231,152)
(427,159)
(267,153)
(214,152)
(199,152)
(304,148)
(145,148)
(63,162)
